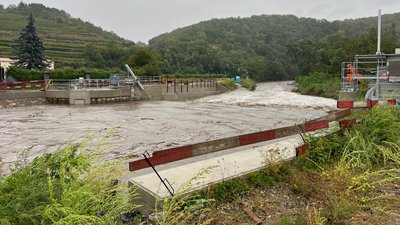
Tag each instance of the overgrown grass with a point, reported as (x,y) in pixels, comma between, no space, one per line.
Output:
(349,179)
(69,186)
(319,84)
(228,84)
(249,84)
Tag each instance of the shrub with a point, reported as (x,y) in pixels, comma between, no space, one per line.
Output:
(319,84)
(228,84)
(65,187)
(249,84)
(63,74)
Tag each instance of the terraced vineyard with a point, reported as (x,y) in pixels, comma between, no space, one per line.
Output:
(65,38)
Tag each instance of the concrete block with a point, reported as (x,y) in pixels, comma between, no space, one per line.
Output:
(222,165)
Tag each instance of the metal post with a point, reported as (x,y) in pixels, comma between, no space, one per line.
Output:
(163,181)
(378,52)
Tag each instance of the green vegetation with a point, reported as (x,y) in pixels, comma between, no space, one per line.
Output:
(29,48)
(271,47)
(68,41)
(65,187)
(67,73)
(319,84)
(249,84)
(349,179)
(228,83)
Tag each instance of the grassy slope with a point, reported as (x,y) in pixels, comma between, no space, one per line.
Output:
(352,179)
(64,37)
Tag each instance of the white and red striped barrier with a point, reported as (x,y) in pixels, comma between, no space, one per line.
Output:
(188,151)
(31,84)
(367,104)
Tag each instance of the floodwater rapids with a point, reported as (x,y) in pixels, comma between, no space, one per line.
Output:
(154,125)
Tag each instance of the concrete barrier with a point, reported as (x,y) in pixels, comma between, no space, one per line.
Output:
(88,96)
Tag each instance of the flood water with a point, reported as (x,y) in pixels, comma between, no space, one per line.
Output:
(154,125)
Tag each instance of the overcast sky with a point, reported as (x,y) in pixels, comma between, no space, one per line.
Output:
(140,20)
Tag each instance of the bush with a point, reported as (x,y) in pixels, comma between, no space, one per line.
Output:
(228,84)
(63,74)
(66,187)
(249,84)
(319,84)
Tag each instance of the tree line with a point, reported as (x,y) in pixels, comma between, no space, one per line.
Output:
(271,47)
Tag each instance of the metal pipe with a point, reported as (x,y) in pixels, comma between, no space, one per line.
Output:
(378,52)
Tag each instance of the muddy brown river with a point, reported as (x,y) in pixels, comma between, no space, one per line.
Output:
(153,125)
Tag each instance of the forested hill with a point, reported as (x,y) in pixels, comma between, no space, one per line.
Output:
(271,47)
(68,41)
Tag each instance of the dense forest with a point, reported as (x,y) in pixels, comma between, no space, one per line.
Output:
(271,47)
(266,47)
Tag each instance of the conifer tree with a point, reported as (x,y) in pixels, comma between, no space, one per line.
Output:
(29,48)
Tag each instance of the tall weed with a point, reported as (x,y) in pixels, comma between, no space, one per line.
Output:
(70,186)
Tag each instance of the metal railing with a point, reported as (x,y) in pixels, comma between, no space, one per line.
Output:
(22,85)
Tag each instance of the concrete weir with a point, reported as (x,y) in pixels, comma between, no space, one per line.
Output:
(88,96)
(101,91)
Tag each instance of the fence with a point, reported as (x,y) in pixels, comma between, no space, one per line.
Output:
(20,85)
(183,85)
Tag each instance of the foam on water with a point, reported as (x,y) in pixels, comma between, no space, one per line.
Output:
(274,94)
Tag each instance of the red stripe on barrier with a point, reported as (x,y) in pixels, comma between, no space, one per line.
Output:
(184,150)
(391,102)
(312,126)
(372,103)
(347,123)
(257,137)
(162,157)
(139,164)
(345,104)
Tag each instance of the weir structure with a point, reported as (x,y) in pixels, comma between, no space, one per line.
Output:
(164,172)
(116,88)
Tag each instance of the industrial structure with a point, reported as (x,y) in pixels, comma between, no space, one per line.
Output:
(371,78)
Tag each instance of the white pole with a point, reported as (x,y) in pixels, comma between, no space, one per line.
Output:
(378,52)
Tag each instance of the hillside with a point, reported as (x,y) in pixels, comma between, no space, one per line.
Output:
(68,41)
(270,47)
